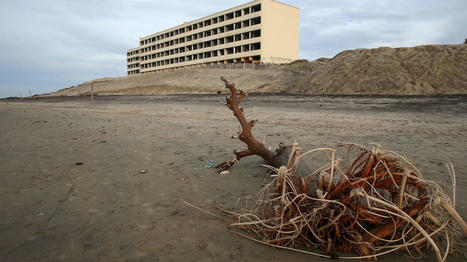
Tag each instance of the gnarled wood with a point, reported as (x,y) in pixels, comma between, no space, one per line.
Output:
(245,135)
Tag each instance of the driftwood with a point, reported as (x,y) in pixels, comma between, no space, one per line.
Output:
(351,200)
(245,135)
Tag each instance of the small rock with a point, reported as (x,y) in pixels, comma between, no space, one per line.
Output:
(144,171)
(79,163)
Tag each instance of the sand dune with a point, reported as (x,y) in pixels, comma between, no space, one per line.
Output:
(422,70)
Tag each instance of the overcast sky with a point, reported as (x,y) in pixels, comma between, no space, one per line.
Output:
(46,45)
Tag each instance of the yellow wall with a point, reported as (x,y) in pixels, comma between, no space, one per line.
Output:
(280,32)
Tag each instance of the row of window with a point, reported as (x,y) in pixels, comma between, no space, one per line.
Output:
(129,60)
(208,22)
(206,44)
(133,66)
(208,33)
(204,55)
(133,72)
(134,52)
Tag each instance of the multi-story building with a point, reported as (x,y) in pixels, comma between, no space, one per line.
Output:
(259,31)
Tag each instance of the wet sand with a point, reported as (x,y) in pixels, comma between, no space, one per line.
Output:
(107,210)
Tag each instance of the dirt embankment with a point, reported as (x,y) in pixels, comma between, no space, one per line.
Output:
(422,70)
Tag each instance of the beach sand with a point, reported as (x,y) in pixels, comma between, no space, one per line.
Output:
(106,180)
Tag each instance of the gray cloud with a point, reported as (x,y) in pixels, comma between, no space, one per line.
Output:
(52,44)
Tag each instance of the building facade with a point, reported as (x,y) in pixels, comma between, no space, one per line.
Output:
(259,31)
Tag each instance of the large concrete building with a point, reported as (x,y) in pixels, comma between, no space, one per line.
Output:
(259,31)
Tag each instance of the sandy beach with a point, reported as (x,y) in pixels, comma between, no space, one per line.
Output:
(106,180)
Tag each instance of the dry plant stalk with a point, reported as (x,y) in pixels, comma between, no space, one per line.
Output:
(370,202)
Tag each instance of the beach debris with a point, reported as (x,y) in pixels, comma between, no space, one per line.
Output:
(79,163)
(371,203)
(143,171)
(211,164)
(342,199)
(245,135)
(225,173)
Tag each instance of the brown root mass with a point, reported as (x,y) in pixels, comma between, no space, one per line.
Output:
(345,199)
(376,204)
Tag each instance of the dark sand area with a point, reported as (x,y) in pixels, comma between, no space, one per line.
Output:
(107,210)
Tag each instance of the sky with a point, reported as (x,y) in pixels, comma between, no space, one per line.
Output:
(48,45)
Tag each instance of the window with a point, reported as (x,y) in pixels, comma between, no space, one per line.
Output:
(255,46)
(256,8)
(238,37)
(238,25)
(246,11)
(229,16)
(238,13)
(256,21)
(256,33)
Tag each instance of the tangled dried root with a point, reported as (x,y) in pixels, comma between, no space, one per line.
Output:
(371,203)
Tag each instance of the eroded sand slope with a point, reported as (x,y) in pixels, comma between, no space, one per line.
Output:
(422,70)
